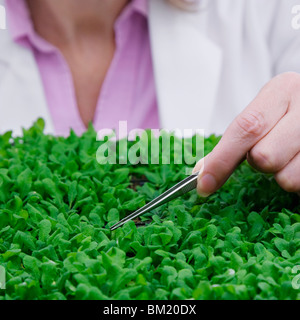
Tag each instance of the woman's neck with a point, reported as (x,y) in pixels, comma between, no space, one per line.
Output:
(64,21)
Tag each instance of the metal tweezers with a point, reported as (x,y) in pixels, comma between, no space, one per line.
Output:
(186,185)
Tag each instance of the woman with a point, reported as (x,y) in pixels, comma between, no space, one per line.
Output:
(161,63)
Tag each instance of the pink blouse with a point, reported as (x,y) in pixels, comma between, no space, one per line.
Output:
(128,92)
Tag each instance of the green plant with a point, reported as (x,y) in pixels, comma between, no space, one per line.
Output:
(57,204)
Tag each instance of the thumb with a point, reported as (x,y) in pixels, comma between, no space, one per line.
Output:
(210,179)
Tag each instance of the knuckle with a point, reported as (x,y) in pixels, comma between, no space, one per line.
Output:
(263,160)
(251,124)
(289,80)
(293,76)
(287,183)
(287,76)
(295,82)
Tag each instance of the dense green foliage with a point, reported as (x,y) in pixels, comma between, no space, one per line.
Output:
(57,204)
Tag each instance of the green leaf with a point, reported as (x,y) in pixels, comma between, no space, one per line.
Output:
(281,244)
(259,249)
(168,275)
(24,182)
(72,194)
(165,238)
(24,240)
(32,266)
(257,224)
(236,261)
(211,232)
(44,230)
(113,216)
(49,274)
(134,203)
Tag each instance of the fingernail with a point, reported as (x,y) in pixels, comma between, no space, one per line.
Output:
(199,166)
(207,182)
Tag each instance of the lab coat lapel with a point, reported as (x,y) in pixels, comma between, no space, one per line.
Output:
(187,66)
(22,99)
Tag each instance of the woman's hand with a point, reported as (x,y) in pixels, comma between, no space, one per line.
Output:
(267,133)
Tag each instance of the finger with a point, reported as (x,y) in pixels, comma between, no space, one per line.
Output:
(259,118)
(289,177)
(279,146)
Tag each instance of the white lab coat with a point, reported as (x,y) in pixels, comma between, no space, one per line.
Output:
(208,65)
